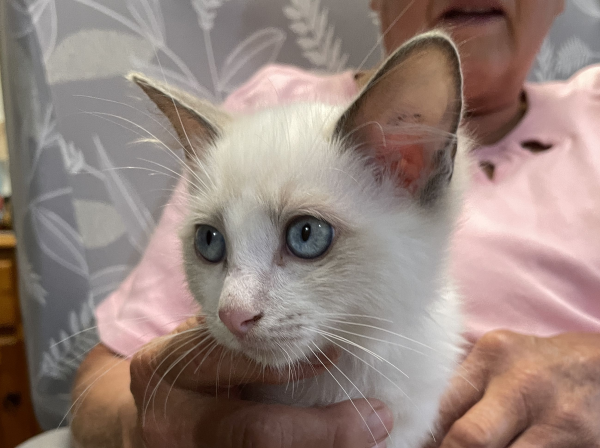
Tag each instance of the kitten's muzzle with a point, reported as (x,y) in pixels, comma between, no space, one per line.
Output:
(239,321)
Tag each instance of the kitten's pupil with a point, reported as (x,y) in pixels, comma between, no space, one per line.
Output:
(306,232)
(209,236)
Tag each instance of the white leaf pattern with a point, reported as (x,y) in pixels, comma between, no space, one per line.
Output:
(108,279)
(72,157)
(207,11)
(573,55)
(545,62)
(148,15)
(96,54)
(259,49)
(314,36)
(138,220)
(172,77)
(31,279)
(63,357)
(142,30)
(43,20)
(589,7)
(59,240)
(99,223)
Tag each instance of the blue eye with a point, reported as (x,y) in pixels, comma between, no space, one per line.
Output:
(309,237)
(209,243)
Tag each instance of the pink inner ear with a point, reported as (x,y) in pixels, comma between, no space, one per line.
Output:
(406,159)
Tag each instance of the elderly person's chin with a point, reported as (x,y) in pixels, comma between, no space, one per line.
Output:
(498,39)
(491,72)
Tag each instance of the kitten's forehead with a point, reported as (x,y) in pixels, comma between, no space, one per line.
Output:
(279,159)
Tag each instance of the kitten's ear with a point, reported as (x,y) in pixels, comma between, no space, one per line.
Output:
(407,116)
(197,123)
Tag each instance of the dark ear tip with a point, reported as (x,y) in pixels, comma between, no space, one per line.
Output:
(441,38)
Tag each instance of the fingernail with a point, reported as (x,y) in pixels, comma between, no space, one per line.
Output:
(380,424)
(381,445)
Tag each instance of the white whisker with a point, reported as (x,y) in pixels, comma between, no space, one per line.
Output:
(185,366)
(190,337)
(131,107)
(385,32)
(158,140)
(370,365)
(354,344)
(217,374)
(377,340)
(367,316)
(290,370)
(343,390)
(353,385)
(384,330)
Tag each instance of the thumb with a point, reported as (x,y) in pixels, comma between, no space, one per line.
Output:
(349,424)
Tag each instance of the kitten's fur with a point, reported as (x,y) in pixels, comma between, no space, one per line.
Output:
(382,173)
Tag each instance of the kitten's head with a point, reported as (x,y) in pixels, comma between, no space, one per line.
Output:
(308,217)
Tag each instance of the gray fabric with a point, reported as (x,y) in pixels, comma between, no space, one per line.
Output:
(82,223)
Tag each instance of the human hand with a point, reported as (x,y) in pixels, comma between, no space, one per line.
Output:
(196,403)
(522,391)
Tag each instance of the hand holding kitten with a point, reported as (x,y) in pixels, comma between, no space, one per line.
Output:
(525,392)
(197,403)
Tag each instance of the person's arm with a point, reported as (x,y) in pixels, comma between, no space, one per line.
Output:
(103,412)
(167,396)
(521,391)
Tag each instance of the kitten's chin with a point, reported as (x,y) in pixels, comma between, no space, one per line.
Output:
(277,354)
(267,357)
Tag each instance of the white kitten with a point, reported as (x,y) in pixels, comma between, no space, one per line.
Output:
(312,225)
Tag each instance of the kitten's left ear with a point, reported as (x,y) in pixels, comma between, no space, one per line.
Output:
(197,123)
(407,116)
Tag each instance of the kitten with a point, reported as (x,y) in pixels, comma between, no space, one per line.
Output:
(313,225)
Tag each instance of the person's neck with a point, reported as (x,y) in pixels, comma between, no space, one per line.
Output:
(489,126)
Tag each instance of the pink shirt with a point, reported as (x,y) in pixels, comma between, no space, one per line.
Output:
(527,253)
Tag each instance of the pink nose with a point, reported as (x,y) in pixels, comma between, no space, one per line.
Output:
(239,322)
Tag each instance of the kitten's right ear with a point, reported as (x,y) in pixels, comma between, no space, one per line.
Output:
(407,117)
(197,123)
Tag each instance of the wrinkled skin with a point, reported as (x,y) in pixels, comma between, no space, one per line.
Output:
(524,392)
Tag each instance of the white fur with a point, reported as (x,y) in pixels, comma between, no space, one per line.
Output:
(388,260)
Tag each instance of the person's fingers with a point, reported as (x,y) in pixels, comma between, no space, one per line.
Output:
(464,390)
(545,437)
(493,422)
(350,424)
(192,359)
(190,420)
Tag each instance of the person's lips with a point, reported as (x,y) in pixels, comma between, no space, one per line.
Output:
(471,13)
